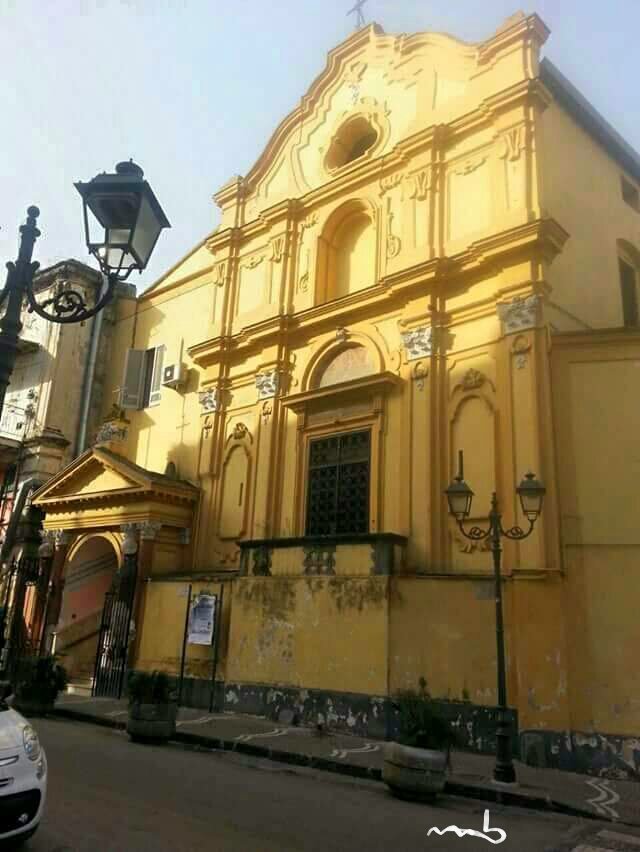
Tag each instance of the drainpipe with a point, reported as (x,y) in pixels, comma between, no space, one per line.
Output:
(87,383)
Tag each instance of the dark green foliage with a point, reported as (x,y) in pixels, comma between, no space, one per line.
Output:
(39,679)
(149,688)
(421,726)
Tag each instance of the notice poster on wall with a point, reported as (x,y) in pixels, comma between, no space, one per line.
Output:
(202,620)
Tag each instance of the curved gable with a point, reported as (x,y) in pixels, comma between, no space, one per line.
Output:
(401,84)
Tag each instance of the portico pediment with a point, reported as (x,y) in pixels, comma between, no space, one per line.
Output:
(100,488)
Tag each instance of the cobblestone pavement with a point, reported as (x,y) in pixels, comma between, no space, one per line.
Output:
(617,801)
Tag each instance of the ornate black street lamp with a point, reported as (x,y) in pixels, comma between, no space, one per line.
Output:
(123,220)
(459,495)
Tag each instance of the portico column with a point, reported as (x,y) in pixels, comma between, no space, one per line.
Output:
(62,540)
(45,555)
(148,531)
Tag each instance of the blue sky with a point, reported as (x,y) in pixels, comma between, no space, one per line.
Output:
(192,90)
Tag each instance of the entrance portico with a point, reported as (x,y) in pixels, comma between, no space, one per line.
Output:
(116,524)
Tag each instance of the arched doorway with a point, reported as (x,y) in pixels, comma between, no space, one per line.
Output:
(89,575)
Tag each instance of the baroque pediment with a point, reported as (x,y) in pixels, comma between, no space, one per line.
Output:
(400,82)
(100,474)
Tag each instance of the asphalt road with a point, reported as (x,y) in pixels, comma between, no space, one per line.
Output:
(108,794)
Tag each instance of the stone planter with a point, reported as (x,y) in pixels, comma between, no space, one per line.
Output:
(414,772)
(152,722)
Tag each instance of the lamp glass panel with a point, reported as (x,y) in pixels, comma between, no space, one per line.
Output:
(118,237)
(531,503)
(146,232)
(115,209)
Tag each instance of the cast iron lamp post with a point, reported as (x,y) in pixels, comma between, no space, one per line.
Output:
(459,495)
(121,232)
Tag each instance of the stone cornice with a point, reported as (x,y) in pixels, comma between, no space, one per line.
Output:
(543,238)
(436,138)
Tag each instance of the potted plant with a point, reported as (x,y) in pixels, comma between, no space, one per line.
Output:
(416,764)
(37,684)
(152,707)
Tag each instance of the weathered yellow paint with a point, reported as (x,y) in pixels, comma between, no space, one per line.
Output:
(478,192)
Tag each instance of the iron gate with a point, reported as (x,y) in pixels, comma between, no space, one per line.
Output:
(113,639)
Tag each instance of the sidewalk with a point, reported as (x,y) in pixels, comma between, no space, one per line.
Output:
(582,795)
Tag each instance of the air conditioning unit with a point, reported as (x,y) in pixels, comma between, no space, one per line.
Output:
(173,376)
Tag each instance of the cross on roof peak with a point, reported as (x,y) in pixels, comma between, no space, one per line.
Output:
(357,10)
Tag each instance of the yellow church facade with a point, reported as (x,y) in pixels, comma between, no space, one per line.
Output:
(437,250)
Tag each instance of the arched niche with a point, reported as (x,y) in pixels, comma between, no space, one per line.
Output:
(473,429)
(236,472)
(347,252)
(350,362)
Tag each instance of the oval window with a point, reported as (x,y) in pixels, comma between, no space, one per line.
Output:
(352,141)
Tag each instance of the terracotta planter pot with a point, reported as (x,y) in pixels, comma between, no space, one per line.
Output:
(152,722)
(414,772)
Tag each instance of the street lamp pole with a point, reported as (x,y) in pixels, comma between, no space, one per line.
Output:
(19,279)
(459,495)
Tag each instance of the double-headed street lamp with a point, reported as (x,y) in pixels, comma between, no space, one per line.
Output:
(123,220)
(459,495)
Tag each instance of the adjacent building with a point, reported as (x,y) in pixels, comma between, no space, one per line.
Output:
(437,250)
(52,411)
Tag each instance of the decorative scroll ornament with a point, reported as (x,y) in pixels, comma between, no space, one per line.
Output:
(419,184)
(239,431)
(466,167)
(149,530)
(389,182)
(393,242)
(267,384)
(418,342)
(277,249)
(209,400)
(267,410)
(466,546)
(473,379)
(519,314)
(320,560)
(520,348)
(309,222)
(420,373)
(512,143)
(219,274)
(342,334)
(253,261)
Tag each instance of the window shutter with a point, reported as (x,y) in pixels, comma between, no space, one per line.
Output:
(131,390)
(156,376)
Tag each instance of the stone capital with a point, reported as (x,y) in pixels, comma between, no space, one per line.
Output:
(149,530)
(130,543)
(209,400)
(62,538)
(418,342)
(267,384)
(519,314)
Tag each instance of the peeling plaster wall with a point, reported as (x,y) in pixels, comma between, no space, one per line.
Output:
(325,633)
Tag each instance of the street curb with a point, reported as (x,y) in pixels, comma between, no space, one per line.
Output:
(452,788)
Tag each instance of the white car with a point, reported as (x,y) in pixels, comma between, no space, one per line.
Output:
(23,777)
